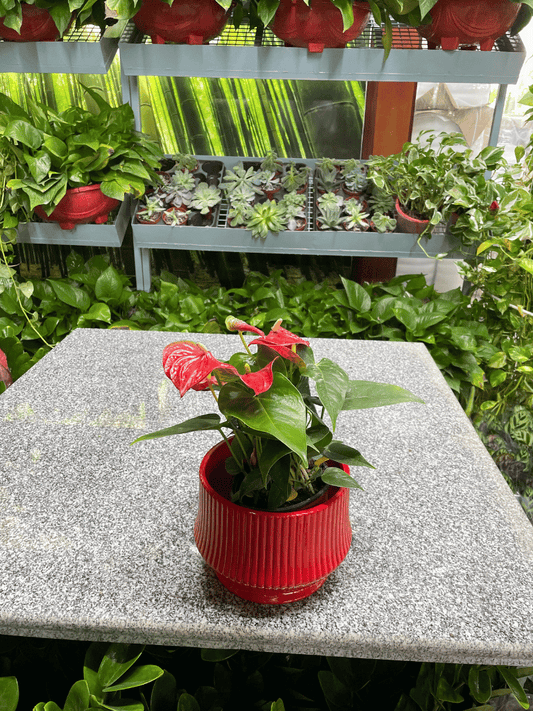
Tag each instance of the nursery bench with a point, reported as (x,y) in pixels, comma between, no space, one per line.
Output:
(97,536)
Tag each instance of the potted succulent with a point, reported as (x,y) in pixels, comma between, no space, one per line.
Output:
(240,178)
(355,220)
(185,161)
(354,178)
(278,472)
(47,20)
(330,217)
(151,212)
(182,21)
(239,213)
(174,217)
(271,163)
(296,179)
(328,176)
(269,182)
(268,216)
(179,190)
(330,200)
(293,204)
(205,197)
(76,166)
(381,222)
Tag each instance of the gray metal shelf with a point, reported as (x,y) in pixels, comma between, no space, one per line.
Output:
(81,235)
(241,54)
(81,51)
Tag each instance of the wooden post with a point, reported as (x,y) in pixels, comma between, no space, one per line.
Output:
(389,115)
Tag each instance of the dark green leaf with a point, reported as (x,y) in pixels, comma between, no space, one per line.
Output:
(342,453)
(363,394)
(195,424)
(9,693)
(71,295)
(116,661)
(336,477)
(136,677)
(218,655)
(78,697)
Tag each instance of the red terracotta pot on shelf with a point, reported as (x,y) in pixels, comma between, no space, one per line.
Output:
(79,206)
(468,22)
(406,223)
(317,26)
(263,556)
(185,22)
(37,26)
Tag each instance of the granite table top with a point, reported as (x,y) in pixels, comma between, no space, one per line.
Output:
(96,536)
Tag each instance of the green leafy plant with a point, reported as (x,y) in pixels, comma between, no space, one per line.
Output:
(239,213)
(185,161)
(152,208)
(239,178)
(75,148)
(280,438)
(330,200)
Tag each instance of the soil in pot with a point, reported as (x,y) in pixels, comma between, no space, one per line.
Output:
(196,219)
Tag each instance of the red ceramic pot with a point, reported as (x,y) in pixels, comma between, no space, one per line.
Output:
(317,26)
(79,206)
(186,21)
(468,22)
(406,223)
(37,26)
(263,556)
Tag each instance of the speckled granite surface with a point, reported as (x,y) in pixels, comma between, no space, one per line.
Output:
(96,536)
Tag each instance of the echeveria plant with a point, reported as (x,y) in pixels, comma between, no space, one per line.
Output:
(274,425)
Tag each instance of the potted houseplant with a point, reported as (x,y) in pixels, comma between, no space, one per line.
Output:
(76,166)
(47,20)
(182,21)
(296,179)
(315,25)
(150,213)
(278,451)
(419,177)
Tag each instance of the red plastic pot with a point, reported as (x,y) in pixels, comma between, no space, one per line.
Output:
(263,556)
(317,26)
(185,22)
(406,223)
(468,22)
(37,26)
(79,206)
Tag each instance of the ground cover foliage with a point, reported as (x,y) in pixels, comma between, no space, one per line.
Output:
(58,675)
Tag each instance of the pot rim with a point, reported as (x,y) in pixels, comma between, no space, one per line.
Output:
(245,510)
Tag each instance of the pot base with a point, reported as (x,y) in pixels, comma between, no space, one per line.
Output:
(270,596)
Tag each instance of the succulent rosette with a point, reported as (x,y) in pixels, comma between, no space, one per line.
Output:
(279,429)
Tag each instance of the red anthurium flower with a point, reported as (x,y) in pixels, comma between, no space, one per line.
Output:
(259,381)
(187,364)
(235,324)
(281,340)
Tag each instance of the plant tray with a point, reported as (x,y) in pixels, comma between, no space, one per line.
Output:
(242,53)
(81,51)
(82,235)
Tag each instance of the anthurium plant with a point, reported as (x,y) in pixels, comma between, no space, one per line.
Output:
(274,425)
(56,151)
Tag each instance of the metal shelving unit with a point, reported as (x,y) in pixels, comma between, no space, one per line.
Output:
(309,241)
